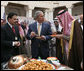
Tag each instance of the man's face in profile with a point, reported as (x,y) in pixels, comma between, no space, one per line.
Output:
(13,20)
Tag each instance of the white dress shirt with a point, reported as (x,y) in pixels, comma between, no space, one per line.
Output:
(9,24)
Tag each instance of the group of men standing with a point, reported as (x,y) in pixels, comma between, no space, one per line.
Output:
(39,33)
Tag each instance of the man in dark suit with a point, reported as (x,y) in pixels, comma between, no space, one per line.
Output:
(9,38)
(39,46)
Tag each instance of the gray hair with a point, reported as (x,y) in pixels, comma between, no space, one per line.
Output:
(37,14)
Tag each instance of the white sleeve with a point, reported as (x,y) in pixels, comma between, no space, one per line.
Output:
(60,28)
(13,44)
(53,28)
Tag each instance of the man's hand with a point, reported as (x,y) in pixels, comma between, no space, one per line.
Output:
(33,34)
(17,43)
(43,38)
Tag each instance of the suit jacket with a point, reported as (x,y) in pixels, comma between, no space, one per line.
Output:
(36,43)
(7,37)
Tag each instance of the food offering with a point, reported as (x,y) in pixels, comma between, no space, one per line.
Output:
(33,59)
(54,61)
(53,35)
(52,58)
(22,62)
(37,65)
(38,37)
(17,61)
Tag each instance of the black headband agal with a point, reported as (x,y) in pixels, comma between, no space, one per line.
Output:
(62,12)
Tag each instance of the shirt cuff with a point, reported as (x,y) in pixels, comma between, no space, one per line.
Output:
(13,44)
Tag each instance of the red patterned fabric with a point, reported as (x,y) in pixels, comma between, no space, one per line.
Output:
(13,29)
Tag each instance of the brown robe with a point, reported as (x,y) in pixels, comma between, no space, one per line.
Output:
(76,50)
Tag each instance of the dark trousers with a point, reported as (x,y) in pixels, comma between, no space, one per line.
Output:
(42,52)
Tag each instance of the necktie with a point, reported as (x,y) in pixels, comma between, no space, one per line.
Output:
(39,29)
(13,29)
